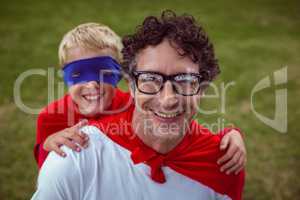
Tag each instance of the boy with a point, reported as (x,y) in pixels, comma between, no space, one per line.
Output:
(84,48)
(84,52)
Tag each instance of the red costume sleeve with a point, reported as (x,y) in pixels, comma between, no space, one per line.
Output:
(55,117)
(62,114)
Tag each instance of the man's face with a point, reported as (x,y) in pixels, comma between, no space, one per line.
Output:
(166,113)
(91,98)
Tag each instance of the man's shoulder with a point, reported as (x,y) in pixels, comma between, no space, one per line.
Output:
(94,133)
(119,121)
(201,134)
(75,160)
(65,176)
(202,144)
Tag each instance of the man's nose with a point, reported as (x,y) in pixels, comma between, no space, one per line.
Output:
(168,98)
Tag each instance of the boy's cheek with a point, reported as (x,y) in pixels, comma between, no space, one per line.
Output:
(74,92)
(92,108)
(109,93)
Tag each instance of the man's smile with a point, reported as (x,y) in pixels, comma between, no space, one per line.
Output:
(167,116)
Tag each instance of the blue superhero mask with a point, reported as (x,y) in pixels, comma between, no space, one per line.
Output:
(100,69)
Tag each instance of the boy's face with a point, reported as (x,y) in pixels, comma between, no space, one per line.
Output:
(91,98)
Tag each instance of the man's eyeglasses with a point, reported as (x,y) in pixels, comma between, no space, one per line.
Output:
(186,84)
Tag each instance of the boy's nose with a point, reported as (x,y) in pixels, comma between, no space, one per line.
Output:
(92,84)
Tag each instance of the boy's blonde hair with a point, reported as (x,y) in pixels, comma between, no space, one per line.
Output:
(92,36)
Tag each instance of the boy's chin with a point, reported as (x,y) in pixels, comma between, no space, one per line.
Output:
(91,113)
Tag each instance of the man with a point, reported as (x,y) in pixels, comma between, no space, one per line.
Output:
(154,150)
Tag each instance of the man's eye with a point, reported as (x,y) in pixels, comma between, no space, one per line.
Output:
(148,78)
(186,78)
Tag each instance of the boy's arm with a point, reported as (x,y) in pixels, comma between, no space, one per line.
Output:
(235,158)
(71,137)
(40,123)
(46,125)
(52,132)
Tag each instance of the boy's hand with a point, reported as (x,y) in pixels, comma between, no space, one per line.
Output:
(69,137)
(235,158)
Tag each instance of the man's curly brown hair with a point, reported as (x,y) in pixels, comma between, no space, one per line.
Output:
(183,31)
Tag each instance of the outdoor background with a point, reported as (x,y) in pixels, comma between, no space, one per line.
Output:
(252,40)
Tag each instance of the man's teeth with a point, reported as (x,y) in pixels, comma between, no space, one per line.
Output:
(167,115)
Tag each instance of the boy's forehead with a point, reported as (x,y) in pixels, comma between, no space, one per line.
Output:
(79,53)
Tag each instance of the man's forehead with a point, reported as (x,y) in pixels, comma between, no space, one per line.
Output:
(166,56)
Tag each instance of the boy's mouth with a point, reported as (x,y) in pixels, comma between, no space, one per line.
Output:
(92,97)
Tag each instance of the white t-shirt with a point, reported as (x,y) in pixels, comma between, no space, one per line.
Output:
(105,171)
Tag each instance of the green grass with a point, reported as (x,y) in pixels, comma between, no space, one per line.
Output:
(252,40)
